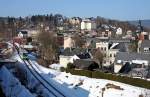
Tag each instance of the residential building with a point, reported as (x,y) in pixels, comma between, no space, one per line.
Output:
(122,58)
(75,21)
(88,25)
(71,54)
(68,41)
(33,34)
(119,31)
(86,64)
(110,47)
(22,34)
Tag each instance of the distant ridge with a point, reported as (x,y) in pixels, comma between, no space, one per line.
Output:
(145,23)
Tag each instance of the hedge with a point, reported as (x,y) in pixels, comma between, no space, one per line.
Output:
(124,79)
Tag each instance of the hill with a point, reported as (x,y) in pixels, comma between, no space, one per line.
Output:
(145,23)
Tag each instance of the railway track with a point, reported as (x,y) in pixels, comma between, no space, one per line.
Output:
(48,83)
(51,89)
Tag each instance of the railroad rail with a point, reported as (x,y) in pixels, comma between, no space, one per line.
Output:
(55,92)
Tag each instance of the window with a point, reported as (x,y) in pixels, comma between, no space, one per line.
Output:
(102,48)
(105,48)
(110,55)
(114,55)
(110,62)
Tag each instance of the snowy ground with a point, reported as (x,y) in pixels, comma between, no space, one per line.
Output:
(88,87)
(11,86)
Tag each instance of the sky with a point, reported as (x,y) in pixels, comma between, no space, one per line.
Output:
(113,9)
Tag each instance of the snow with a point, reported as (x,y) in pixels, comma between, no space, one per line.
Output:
(55,66)
(32,83)
(31,57)
(61,87)
(11,86)
(145,62)
(92,87)
(27,46)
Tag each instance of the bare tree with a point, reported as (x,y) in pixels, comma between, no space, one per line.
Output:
(98,56)
(48,46)
(79,41)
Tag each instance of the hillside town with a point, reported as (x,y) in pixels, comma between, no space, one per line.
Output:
(88,44)
(46,53)
(91,44)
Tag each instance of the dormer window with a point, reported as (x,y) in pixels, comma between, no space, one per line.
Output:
(146,49)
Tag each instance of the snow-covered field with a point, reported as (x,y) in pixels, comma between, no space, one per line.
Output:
(88,87)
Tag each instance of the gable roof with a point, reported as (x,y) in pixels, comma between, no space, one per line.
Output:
(74,51)
(145,43)
(85,63)
(126,56)
(123,47)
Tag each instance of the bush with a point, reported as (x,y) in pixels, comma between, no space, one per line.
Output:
(81,72)
(62,69)
(101,75)
(70,66)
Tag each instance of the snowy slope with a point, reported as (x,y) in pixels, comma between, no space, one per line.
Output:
(92,87)
(11,86)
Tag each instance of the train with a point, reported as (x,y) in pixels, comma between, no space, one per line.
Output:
(25,56)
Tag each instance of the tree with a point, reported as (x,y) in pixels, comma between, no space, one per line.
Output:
(98,56)
(70,66)
(133,46)
(48,47)
(79,41)
(29,39)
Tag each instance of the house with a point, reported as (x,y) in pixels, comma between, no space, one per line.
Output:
(22,34)
(110,47)
(68,41)
(71,54)
(75,21)
(86,64)
(119,31)
(129,35)
(138,60)
(144,36)
(33,33)
(88,25)
(104,46)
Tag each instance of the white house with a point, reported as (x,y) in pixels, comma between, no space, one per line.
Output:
(33,33)
(69,55)
(64,60)
(109,52)
(22,34)
(88,25)
(119,31)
